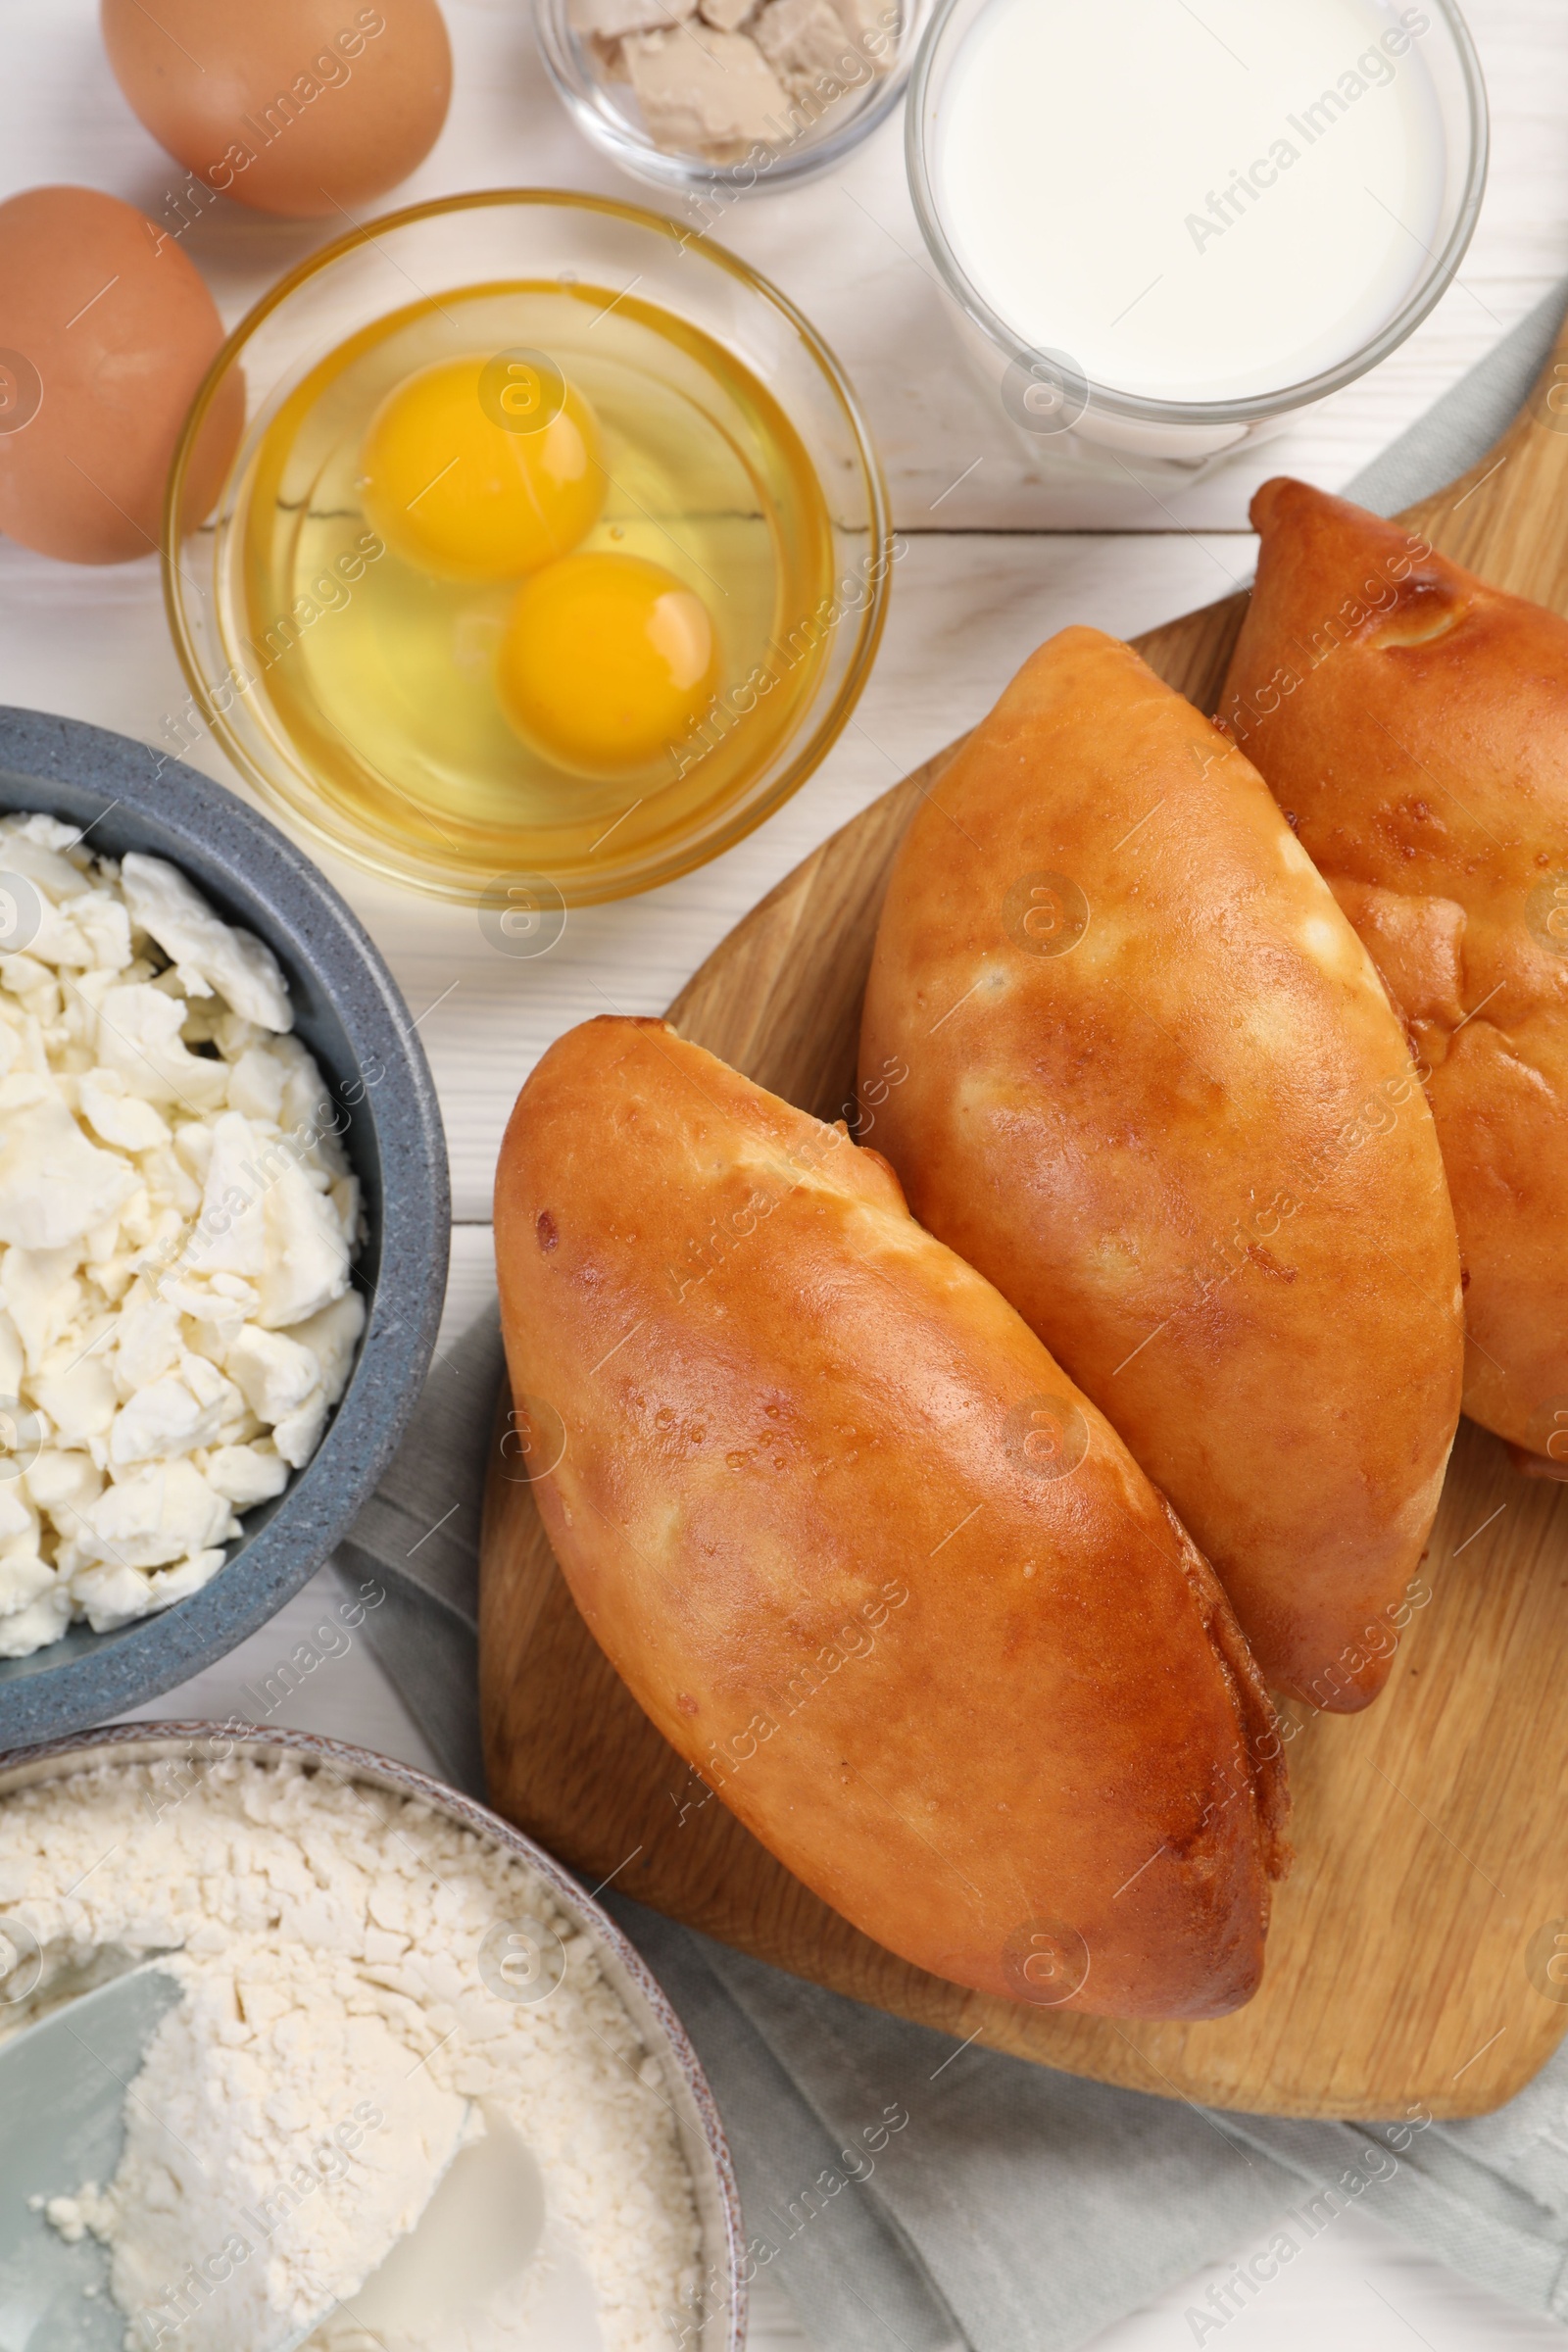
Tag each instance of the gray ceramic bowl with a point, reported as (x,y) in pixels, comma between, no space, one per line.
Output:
(348,1011)
(721,2326)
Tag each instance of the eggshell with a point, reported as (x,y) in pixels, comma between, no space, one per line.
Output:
(303,107)
(108,330)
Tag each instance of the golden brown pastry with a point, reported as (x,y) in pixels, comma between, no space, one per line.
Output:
(865,1556)
(1413,723)
(1158,1094)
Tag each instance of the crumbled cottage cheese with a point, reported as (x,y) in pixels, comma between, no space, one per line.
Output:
(342,2026)
(177,1221)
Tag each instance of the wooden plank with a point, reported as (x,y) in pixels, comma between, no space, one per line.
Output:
(1406,1959)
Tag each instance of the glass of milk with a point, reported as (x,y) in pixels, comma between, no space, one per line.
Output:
(1166,227)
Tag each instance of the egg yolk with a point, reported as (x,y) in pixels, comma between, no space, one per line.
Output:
(453,491)
(606,662)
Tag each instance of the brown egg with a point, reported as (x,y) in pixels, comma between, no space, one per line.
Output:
(304,107)
(106,331)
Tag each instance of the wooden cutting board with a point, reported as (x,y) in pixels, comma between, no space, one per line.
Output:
(1419,1950)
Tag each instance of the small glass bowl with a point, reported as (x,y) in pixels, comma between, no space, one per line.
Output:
(436,252)
(817,131)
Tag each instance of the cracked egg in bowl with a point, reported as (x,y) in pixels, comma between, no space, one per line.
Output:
(554,548)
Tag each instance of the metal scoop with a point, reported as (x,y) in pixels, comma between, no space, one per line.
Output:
(64,2083)
(404,2263)
(62,2087)
(483,2227)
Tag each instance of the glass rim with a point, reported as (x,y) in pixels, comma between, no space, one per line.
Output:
(1146,408)
(370,854)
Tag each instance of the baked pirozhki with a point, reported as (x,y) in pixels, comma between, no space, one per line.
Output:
(1413,725)
(865,1556)
(1156,1094)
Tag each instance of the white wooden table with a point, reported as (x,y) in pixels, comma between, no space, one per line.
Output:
(996,559)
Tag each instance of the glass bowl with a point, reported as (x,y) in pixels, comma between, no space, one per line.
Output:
(1044,391)
(359,732)
(833,102)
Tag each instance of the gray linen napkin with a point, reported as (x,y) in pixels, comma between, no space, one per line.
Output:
(919,2191)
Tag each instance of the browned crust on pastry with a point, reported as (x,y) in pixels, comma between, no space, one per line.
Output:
(1413,723)
(865,1556)
(1156,1093)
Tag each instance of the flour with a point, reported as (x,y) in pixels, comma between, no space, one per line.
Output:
(346,2033)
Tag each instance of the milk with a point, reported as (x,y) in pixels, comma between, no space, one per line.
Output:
(1196,204)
